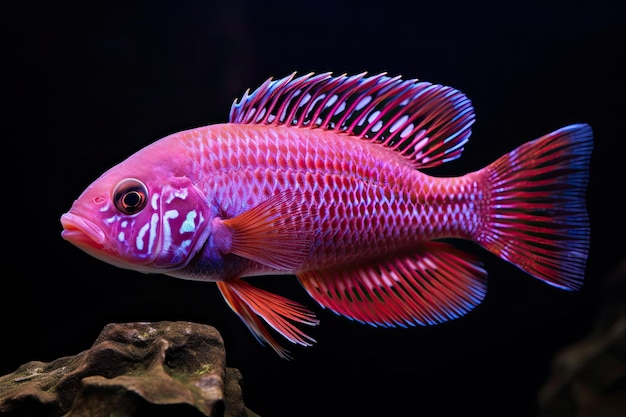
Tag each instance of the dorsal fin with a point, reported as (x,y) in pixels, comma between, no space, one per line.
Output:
(427,123)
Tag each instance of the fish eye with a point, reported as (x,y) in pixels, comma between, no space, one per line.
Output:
(130,196)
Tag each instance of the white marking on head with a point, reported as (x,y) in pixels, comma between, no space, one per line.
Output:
(142,233)
(154,201)
(182,249)
(121,237)
(189,225)
(167,230)
(153,231)
(171,214)
(182,194)
(104,208)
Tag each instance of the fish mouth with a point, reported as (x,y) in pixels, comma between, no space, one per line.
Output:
(90,238)
(77,229)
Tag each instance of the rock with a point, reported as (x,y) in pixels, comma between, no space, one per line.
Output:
(133,369)
(588,378)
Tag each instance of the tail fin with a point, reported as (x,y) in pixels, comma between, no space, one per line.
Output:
(538,219)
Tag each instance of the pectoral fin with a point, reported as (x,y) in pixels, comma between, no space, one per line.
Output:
(274,233)
(430,285)
(250,303)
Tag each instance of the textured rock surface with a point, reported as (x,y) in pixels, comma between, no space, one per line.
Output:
(134,369)
(589,377)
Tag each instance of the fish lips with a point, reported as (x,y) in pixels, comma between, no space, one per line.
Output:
(81,231)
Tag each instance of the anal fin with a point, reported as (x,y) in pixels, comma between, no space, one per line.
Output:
(431,284)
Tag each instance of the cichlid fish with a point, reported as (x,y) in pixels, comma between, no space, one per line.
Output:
(320,176)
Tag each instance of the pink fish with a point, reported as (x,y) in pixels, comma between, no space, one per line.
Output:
(319,176)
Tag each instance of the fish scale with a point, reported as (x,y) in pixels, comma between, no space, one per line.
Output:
(320,176)
(383,206)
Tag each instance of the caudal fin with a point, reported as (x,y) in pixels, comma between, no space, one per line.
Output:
(538,219)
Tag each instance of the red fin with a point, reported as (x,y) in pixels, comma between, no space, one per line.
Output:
(250,303)
(537,216)
(433,284)
(272,233)
(427,123)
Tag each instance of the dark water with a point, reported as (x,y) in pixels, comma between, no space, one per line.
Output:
(85,86)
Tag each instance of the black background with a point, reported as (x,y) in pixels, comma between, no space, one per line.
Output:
(85,85)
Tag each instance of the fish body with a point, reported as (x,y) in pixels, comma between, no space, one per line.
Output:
(321,177)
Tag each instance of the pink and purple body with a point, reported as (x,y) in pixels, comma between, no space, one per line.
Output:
(319,176)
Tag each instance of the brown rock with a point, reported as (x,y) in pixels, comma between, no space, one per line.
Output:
(588,378)
(133,369)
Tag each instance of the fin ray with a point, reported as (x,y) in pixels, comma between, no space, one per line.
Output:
(272,233)
(427,123)
(250,303)
(430,285)
(539,222)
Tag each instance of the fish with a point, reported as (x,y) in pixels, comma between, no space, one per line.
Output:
(326,178)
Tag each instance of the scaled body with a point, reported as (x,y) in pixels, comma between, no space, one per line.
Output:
(360,201)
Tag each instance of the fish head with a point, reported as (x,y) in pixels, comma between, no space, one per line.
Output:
(145,219)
